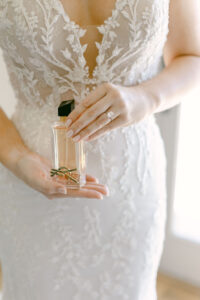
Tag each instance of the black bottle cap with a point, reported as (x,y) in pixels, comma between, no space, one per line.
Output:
(65,108)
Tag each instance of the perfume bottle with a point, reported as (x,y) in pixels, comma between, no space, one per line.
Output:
(68,156)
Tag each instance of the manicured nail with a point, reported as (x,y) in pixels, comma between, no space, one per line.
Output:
(69,133)
(108,192)
(68,122)
(76,138)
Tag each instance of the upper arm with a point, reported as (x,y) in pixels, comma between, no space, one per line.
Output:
(184,29)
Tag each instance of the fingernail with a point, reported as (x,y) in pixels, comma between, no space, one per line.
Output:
(62,191)
(108,192)
(68,122)
(69,133)
(76,138)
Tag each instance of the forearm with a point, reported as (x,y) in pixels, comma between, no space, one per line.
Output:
(12,147)
(173,83)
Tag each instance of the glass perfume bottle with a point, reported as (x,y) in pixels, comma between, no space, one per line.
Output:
(68,156)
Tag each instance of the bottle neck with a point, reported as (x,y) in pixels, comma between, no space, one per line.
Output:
(63,119)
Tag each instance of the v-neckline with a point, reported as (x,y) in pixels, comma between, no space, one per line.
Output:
(101,28)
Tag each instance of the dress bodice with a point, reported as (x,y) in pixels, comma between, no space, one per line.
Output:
(45,58)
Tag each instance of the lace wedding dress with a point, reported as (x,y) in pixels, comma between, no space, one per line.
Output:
(80,248)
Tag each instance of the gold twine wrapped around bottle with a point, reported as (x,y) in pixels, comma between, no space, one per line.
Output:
(63,171)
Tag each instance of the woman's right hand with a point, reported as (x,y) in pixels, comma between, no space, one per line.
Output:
(34,170)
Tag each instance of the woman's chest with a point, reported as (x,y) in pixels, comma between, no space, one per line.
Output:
(88,12)
(46,35)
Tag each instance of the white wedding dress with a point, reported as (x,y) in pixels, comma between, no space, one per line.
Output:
(80,248)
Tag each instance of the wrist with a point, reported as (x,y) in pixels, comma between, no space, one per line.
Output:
(13,156)
(150,98)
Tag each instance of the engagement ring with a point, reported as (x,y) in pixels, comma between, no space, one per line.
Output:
(110,115)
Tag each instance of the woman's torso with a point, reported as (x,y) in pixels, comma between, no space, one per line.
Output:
(47,63)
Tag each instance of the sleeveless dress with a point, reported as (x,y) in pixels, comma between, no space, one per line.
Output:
(81,248)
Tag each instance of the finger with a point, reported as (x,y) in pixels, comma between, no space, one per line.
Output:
(90,99)
(91,178)
(54,189)
(74,115)
(94,183)
(84,192)
(78,193)
(89,191)
(110,126)
(95,189)
(100,188)
(100,122)
(89,115)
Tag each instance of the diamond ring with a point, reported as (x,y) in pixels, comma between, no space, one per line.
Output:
(110,115)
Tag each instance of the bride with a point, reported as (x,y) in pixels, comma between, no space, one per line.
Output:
(103,241)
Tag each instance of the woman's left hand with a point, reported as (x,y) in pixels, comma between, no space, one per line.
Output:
(107,107)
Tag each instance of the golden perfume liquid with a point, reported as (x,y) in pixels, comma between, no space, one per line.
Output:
(68,155)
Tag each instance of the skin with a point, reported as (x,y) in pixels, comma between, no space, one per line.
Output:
(34,169)
(181,74)
(129,104)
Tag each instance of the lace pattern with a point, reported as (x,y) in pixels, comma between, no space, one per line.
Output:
(55,63)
